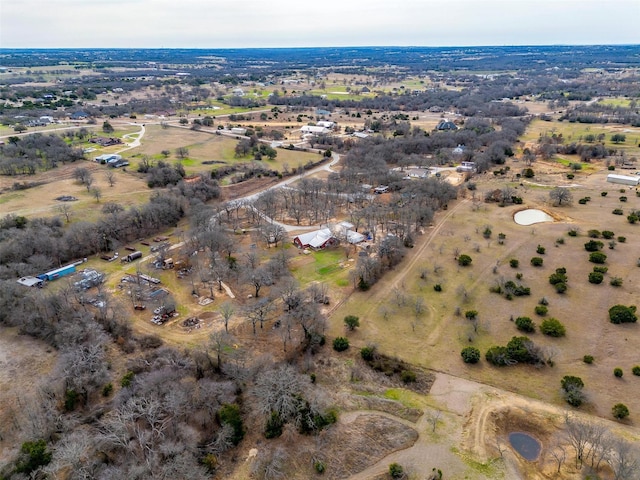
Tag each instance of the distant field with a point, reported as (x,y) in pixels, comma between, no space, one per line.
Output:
(575,132)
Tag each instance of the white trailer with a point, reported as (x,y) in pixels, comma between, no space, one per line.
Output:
(623,179)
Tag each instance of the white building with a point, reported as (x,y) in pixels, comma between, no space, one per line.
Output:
(326,124)
(314,129)
(623,179)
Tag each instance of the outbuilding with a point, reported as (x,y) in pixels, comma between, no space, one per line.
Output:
(58,272)
(31,282)
(623,179)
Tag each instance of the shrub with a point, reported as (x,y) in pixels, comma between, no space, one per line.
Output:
(593,233)
(623,198)
(596,278)
(608,234)
(273,428)
(617,372)
(622,239)
(396,470)
(525,324)
(127,379)
(408,376)
(572,389)
(617,211)
(603,194)
(558,277)
(593,246)
(622,314)
(367,353)
(560,241)
(552,327)
(602,270)
(541,310)
(570,176)
(616,282)
(471,314)
(340,344)
(437,287)
(636,370)
(543,301)
(537,261)
(464,260)
(514,263)
(33,456)
(351,322)
(582,201)
(620,411)
(107,389)
(597,257)
(572,232)
(561,287)
(540,250)
(229,414)
(588,359)
(470,355)
(319,466)
(632,218)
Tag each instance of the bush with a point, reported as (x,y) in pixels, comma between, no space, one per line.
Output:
(127,379)
(543,301)
(588,359)
(396,470)
(597,257)
(514,263)
(617,211)
(603,194)
(558,277)
(582,201)
(552,327)
(593,246)
(593,233)
(471,314)
(608,234)
(351,322)
(319,466)
(464,260)
(408,376)
(537,261)
(470,355)
(620,411)
(602,270)
(525,324)
(622,314)
(540,250)
(616,282)
(33,456)
(437,287)
(636,370)
(622,239)
(541,310)
(572,232)
(107,389)
(623,198)
(229,414)
(596,278)
(633,218)
(340,344)
(572,389)
(273,428)
(367,353)
(617,372)
(561,287)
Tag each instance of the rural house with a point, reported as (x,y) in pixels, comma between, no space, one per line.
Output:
(317,240)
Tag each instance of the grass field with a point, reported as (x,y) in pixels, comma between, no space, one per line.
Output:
(575,132)
(434,336)
(328,266)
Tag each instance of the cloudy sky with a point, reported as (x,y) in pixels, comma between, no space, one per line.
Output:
(302,23)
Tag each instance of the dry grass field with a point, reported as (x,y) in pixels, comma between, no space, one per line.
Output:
(435,337)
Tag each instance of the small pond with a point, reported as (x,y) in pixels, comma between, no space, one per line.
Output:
(525,445)
(531,216)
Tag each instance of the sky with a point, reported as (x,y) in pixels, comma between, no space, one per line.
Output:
(306,23)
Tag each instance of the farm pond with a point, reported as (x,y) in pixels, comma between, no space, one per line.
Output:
(531,216)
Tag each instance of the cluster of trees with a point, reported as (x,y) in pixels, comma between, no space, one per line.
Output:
(28,154)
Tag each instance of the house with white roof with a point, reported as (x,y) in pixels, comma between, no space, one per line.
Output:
(317,240)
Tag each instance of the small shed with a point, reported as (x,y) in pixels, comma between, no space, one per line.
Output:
(623,179)
(239,131)
(31,282)
(132,256)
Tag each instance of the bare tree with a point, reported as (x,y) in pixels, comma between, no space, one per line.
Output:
(220,342)
(110,176)
(561,195)
(434,418)
(559,454)
(65,210)
(259,312)
(226,310)
(96,193)
(624,460)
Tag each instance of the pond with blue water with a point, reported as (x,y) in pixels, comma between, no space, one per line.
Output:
(525,445)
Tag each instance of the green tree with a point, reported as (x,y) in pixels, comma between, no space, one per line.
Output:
(351,322)
(537,261)
(340,344)
(618,138)
(229,414)
(622,314)
(617,372)
(525,324)
(572,390)
(464,260)
(107,127)
(396,470)
(596,278)
(620,411)
(470,355)
(597,257)
(552,327)
(593,246)
(33,455)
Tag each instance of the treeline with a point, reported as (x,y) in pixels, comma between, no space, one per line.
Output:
(602,113)
(28,154)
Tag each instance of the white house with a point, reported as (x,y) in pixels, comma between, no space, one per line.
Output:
(239,131)
(314,129)
(238,92)
(326,124)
